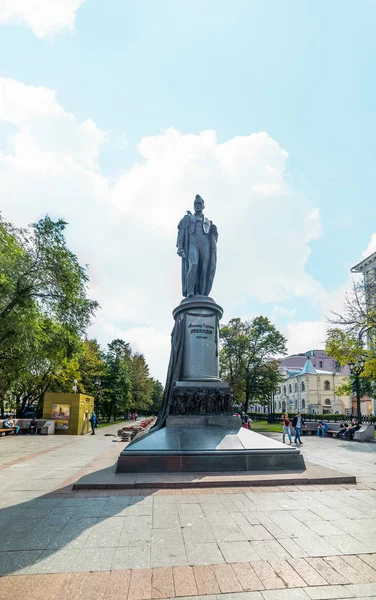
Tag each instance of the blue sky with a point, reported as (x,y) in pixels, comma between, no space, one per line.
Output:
(301,71)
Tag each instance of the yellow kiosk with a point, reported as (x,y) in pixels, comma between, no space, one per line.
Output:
(71,412)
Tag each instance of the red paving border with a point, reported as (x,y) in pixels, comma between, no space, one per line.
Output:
(174,582)
(29,456)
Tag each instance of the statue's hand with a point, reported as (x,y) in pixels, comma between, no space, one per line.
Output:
(181,253)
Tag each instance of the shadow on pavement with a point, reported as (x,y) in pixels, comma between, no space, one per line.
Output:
(70,532)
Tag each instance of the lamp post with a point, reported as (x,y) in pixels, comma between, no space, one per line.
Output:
(356,368)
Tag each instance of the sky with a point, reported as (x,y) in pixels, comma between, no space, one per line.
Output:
(114,115)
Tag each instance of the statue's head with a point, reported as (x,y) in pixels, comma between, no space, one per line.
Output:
(199,204)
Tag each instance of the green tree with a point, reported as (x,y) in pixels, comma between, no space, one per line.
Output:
(92,366)
(247,359)
(116,395)
(43,307)
(142,384)
(39,268)
(48,364)
(345,347)
(156,396)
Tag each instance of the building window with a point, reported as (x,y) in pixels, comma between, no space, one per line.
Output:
(326,385)
(283,406)
(303,403)
(284,390)
(296,387)
(303,387)
(279,390)
(290,388)
(320,364)
(327,401)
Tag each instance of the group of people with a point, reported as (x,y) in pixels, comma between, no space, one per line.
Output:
(297,423)
(246,421)
(9,423)
(345,431)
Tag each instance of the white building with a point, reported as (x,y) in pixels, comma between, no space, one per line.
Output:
(311,390)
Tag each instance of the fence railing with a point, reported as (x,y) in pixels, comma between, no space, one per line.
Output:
(333,418)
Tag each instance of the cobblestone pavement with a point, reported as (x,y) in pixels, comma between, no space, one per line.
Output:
(237,543)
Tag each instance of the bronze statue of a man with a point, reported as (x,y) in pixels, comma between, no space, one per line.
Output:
(197,246)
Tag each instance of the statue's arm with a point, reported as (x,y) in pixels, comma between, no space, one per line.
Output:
(214,231)
(182,232)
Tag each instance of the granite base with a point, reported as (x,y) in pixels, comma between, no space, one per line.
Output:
(207,447)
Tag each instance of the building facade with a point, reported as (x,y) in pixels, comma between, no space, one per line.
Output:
(368,269)
(311,390)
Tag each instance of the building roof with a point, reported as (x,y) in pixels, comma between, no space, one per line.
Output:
(365,264)
(308,368)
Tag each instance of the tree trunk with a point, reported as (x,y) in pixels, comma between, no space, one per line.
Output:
(248,389)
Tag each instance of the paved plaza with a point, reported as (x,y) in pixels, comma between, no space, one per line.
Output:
(246,543)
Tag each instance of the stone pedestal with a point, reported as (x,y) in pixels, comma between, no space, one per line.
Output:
(199,391)
(201,338)
(209,444)
(196,430)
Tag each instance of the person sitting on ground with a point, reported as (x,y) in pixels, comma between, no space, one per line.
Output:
(33,426)
(353,427)
(342,428)
(298,423)
(10,424)
(322,427)
(286,427)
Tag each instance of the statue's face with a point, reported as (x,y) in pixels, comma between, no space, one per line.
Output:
(199,205)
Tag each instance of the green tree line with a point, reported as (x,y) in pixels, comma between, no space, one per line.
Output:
(45,312)
(249,359)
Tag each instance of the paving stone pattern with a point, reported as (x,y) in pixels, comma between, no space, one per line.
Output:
(236,543)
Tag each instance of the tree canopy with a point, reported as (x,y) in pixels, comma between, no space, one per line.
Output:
(249,350)
(44,315)
(345,347)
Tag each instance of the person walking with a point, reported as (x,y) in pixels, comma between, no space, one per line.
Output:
(286,428)
(93,422)
(298,423)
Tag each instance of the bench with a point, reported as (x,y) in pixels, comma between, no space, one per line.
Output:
(364,434)
(7,430)
(45,426)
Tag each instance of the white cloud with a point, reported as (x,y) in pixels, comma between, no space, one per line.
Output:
(306,335)
(280,311)
(46,18)
(125,228)
(371,248)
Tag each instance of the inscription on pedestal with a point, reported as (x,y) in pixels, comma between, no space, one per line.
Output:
(201,345)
